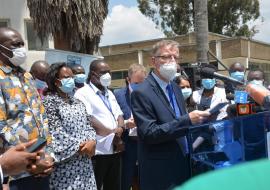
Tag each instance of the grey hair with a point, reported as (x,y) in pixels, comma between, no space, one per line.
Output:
(134,68)
(163,43)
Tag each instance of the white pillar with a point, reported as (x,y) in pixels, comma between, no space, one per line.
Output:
(140,57)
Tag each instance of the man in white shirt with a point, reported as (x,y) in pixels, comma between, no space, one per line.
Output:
(107,120)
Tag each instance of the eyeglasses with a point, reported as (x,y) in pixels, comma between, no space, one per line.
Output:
(168,58)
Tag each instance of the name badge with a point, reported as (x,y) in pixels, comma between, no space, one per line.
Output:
(240,97)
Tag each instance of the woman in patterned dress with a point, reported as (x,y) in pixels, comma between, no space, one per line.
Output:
(73,138)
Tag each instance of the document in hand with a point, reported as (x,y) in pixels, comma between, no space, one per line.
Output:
(218,107)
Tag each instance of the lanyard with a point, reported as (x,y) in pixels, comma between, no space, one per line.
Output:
(105,101)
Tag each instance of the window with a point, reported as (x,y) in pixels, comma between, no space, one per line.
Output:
(4,22)
(34,43)
(116,75)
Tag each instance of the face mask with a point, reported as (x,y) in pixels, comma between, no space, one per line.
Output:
(208,83)
(68,85)
(105,80)
(168,70)
(133,86)
(19,56)
(80,78)
(256,82)
(177,75)
(186,92)
(40,84)
(238,75)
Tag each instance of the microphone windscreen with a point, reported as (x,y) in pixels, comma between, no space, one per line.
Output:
(258,93)
(207,72)
(230,96)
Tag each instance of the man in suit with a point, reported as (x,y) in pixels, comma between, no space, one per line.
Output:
(136,75)
(159,111)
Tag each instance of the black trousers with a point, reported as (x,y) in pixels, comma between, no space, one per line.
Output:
(107,169)
(30,183)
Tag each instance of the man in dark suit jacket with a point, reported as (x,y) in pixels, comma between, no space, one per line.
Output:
(136,75)
(159,111)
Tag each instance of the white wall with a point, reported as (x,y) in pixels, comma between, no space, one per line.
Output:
(17,12)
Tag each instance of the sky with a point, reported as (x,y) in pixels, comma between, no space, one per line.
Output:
(125,23)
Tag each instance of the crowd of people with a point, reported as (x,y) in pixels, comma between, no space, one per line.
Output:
(134,137)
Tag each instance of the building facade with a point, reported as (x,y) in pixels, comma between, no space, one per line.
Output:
(251,53)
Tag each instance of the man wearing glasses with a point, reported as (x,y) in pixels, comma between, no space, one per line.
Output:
(159,111)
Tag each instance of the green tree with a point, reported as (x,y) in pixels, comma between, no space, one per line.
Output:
(228,17)
(76,25)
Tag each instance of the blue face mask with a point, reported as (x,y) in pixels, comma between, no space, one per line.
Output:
(186,92)
(40,84)
(80,78)
(208,83)
(238,75)
(133,86)
(68,85)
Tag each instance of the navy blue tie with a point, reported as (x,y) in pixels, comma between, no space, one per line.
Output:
(172,99)
(181,140)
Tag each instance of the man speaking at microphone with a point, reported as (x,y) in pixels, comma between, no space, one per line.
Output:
(162,122)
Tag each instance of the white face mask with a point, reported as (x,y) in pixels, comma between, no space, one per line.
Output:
(256,82)
(19,56)
(105,80)
(168,70)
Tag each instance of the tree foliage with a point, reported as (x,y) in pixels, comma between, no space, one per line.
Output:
(78,22)
(228,17)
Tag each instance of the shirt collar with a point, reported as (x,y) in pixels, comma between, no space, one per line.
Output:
(97,91)
(160,82)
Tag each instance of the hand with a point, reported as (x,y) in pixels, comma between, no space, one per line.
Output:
(130,123)
(5,187)
(118,131)
(198,117)
(88,148)
(43,167)
(118,144)
(17,159)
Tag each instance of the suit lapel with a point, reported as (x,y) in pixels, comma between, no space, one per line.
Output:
(159,92)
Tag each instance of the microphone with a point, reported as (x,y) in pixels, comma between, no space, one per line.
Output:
(211,73)
(260,94)
(230,97)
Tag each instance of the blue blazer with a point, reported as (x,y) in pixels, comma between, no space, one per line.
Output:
(123,99)
(162,161)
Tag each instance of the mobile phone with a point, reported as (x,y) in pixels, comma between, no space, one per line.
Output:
(41,142)
(217,107)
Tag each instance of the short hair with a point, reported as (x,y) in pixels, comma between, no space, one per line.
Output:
(53,74)
(163,43)
(210,65)
(232,65)
(93,67)
(178,79)
(76,66)
(35,67)
(256,70)
(134,68)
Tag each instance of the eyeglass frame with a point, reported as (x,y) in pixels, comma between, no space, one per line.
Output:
(168,58)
